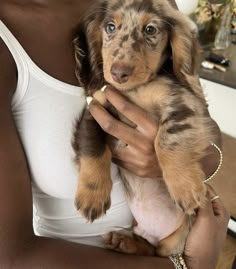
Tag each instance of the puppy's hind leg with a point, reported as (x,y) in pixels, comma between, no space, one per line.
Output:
(175,243)
(129,244)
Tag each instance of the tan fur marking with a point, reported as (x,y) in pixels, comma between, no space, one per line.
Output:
(150,94)
(145,19)
(117,19)
(100,97)
(189,192)
(175,243)
(92,203)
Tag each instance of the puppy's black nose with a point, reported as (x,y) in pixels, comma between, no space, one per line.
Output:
(121,73)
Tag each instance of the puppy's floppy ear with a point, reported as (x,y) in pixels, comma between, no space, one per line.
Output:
(185,51)
(88,48)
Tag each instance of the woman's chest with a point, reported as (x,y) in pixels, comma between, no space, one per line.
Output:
(45,120)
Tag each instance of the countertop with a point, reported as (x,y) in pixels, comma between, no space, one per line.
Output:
(227,78)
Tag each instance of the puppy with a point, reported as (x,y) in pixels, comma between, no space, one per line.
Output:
(148,51)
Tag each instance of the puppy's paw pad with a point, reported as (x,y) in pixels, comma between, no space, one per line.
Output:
(120,243)
(191,200)
(93,203)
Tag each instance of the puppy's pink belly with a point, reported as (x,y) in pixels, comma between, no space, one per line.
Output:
(156,214)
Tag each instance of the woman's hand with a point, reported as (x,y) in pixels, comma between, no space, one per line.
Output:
(206,238)
(139,155)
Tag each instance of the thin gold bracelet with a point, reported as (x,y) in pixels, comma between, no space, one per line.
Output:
(178,261)
(220,163)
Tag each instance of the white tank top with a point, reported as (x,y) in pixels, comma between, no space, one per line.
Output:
(45,110)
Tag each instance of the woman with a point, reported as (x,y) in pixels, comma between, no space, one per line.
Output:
(39,102)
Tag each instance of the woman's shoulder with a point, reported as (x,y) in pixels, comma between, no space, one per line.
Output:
(8,74)
(50,49)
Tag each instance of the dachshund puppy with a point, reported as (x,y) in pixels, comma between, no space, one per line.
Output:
(148,51)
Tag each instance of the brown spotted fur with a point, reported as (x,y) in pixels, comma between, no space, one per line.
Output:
(162,78)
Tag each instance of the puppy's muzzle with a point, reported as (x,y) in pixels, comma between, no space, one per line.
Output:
(121,72)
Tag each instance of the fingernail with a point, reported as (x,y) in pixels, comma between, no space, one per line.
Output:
(103,88)
(89,99)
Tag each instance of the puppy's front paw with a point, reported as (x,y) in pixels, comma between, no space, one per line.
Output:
(189,198)
(92,197)
(93,200)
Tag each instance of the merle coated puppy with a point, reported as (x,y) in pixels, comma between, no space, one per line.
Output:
(148,51)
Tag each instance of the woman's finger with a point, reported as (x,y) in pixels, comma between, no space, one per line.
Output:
(113,126)
(126,165)
(213,196)
(151,172)
(206,212)
(217,204)
(129,154)
(130,159)
(121,152)
(137,115)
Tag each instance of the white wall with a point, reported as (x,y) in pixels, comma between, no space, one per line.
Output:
(222,105)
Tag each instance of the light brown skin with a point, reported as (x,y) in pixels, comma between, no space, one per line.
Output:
(19,246)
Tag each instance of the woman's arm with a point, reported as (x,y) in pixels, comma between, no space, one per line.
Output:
(19,247)
(52,253)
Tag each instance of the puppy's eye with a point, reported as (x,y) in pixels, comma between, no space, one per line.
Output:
(111,28)
(150,30)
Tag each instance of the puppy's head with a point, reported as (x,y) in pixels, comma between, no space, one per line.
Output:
(127,42)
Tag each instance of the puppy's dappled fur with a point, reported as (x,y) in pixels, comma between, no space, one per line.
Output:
(148,51)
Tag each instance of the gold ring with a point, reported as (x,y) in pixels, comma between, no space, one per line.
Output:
(215,197)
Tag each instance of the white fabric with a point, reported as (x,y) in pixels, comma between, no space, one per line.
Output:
(45,110)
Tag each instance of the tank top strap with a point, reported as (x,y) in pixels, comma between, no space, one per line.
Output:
(19,56)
